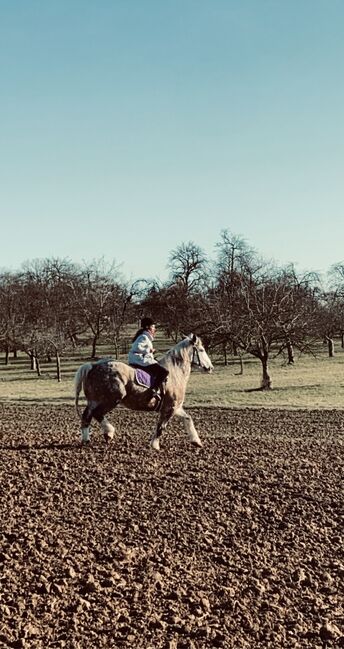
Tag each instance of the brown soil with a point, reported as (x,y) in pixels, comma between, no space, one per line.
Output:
(236,545)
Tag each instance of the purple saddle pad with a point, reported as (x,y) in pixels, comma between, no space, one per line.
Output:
(144,379)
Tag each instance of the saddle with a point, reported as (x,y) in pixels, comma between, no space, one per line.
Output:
(144,379)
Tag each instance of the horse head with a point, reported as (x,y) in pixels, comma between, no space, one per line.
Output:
(200,358)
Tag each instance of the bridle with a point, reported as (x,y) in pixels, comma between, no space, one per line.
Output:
(195,361)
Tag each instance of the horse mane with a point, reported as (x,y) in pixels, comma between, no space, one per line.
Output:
(176,354)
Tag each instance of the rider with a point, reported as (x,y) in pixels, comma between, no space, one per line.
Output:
(141,355)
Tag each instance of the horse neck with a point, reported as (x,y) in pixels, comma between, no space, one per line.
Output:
(179,356)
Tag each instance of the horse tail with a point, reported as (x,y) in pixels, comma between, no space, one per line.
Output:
(79,383)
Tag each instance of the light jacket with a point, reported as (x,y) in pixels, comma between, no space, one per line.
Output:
(141,351)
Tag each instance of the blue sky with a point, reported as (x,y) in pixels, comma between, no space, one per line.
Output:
(130,126)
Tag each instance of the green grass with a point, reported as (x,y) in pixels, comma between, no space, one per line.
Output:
(310,383)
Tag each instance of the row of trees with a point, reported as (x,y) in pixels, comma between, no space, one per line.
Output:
(244,304)
(239,304)
(50,305)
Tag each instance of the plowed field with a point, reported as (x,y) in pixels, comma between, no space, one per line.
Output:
(235,545)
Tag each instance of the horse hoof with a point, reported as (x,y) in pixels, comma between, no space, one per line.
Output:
(155,444)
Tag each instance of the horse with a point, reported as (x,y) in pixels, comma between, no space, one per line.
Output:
(107,383)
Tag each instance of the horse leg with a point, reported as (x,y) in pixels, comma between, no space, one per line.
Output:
(164,418)
(86,424)
(189,426)
(99,414)
(108,429)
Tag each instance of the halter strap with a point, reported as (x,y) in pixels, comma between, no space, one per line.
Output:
(195,357)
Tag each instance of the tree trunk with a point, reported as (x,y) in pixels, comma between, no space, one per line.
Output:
(290,351)
(33,362)
(241,364)
(73,340)
(58,367)
(266,383)
(342,338)
(7,355)
(38,366)
(15,353)
(330,344)
(225,354)
(94,346)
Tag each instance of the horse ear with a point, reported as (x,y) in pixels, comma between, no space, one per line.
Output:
(191,337)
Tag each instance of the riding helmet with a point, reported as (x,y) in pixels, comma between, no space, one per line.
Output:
(147,322)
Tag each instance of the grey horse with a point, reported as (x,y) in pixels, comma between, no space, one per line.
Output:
(106,383)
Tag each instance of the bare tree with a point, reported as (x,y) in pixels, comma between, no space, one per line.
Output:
(234,259)
(188,265)
(10,312)
(47,309)
(336,289)
(257,308)
(122,312)
(178,304)
(329,318)
(99,292)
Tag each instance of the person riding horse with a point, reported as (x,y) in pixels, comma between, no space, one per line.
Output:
(141,355)
(108,383)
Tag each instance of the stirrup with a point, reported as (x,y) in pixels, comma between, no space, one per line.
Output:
(158,398)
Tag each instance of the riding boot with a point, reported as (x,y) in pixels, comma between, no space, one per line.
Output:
(161,394)
(162,388)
